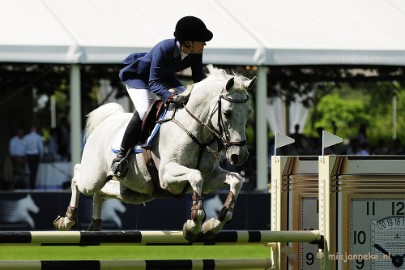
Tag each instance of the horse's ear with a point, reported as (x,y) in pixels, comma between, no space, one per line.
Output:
(230,83)
(250,84)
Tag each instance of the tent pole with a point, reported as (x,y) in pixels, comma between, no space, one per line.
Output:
(75,114)
(261,130)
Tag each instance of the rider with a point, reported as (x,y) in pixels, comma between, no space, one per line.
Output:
(155,71)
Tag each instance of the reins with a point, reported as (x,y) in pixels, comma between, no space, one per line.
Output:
(220,134)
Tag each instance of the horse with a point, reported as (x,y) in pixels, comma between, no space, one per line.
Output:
(186,152)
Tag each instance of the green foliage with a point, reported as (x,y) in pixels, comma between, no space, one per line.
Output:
(371,104)
(344,113)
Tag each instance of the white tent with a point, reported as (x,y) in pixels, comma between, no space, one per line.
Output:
(256,32)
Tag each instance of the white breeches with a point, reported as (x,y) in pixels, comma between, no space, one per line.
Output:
(141,100)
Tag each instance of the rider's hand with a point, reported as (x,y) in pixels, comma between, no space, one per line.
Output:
(178,100)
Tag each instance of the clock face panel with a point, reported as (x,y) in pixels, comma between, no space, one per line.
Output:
(377,232)
(388,238)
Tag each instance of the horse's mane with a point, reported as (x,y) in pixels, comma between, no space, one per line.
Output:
(218,74)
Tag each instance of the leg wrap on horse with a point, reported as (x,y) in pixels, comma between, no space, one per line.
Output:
(197,205)
(230,200)
(71,213)
(70,220)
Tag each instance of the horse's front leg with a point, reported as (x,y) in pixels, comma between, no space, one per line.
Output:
(174,179)
(70,219)
(235,181)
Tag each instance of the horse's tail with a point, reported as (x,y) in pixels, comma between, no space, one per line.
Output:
(97,116)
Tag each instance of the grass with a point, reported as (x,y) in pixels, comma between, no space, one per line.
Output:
(28,252)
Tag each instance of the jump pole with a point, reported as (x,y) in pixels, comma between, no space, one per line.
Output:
(152,237)
(138,264)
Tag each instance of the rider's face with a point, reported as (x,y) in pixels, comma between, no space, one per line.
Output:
(197,47)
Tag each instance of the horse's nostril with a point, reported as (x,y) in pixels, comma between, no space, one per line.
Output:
(235,158)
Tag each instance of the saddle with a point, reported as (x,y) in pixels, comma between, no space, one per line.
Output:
(150,127)
(152,115)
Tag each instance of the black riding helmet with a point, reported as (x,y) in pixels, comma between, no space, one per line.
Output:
(192,28)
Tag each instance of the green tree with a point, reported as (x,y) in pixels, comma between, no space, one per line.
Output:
(344,115)
(344,109)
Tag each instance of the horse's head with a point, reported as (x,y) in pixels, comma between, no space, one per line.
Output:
(224,100)
(230,118)
(220,104)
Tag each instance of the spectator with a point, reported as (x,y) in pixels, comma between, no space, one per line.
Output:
(52,154)
(356,148)
(34,150)
(362,134)
(63,135)
(380,148)
(17,154)
(397,148)
(299,140)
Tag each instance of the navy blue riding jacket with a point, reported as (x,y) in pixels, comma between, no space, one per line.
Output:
(156,70)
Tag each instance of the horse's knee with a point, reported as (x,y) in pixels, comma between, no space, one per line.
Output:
(196,181)
(235,180)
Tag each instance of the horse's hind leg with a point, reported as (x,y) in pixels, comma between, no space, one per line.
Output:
(70,219)
(96,223)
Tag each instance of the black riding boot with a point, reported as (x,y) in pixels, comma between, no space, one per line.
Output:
(119,164)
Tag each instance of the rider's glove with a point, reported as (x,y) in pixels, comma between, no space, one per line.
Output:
(178,100)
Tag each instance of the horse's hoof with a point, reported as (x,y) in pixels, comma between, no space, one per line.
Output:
(188,234)
(211,227)
(63,223)
(67,222)
(95,225)
(57,222)
(190,237)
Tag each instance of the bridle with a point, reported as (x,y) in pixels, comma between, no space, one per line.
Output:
(222,137)
(220,134)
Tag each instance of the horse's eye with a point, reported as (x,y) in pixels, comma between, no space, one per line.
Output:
(228,114)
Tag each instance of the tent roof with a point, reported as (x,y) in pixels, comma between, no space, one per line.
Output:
(256,32)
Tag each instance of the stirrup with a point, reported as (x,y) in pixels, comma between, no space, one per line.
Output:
(119,164)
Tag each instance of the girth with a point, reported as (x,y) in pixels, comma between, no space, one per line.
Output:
(158,192)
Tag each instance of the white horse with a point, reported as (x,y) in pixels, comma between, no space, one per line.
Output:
(186,153)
